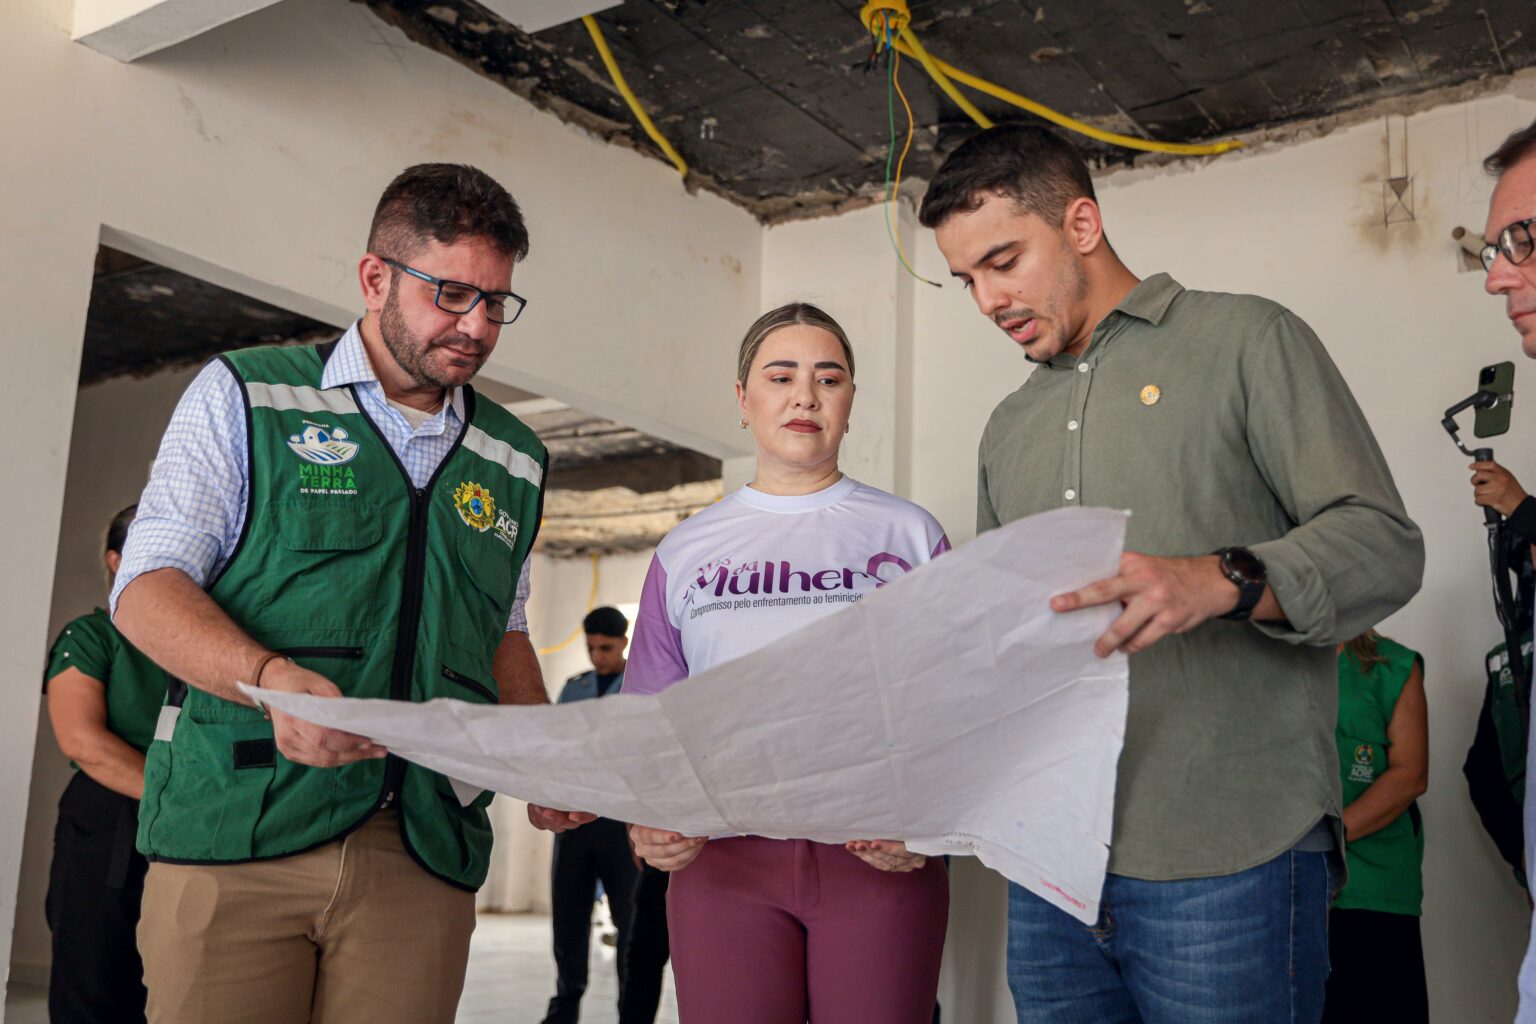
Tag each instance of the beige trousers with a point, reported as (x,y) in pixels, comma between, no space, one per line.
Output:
(354,931)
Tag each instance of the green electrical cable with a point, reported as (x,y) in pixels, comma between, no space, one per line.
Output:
(890,160)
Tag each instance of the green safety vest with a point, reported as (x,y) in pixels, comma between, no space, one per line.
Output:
(1385,867)
(388,590)
(135,686)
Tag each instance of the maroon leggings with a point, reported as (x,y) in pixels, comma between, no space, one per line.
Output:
(784,931)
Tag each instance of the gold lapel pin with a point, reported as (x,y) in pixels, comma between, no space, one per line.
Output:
(1150,394)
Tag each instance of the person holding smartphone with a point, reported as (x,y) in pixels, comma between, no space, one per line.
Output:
(1512,274)
(1493,486)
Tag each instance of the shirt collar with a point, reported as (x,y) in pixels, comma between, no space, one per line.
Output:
(1148,301)
(349,364)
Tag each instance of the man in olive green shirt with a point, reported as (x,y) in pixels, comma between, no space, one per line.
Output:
(1265,528)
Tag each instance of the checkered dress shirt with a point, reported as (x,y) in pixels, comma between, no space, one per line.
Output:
(194,505)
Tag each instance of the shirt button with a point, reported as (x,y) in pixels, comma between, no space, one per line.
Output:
(1070,494)
(1082,367)
(1071,424)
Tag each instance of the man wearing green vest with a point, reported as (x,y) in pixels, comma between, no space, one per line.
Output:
(349,519)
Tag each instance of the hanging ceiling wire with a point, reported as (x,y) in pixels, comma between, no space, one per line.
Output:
(629,96)
(889,18)
(893,186)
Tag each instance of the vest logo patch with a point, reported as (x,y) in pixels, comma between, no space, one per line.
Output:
(476,506)
(1363,770)
(506,529)
(322,445)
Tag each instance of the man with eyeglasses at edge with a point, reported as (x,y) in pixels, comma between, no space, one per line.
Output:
(1507,257)
(348,519)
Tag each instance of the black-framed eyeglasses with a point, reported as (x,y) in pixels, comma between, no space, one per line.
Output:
(457,297)
(1514,242)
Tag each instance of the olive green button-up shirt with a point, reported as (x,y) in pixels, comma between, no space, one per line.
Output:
(1217,420)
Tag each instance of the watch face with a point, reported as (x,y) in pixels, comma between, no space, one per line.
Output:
(1244,563)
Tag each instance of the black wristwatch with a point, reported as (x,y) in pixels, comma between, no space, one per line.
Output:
(1247,573)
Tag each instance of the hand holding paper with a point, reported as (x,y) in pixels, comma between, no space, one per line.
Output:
(665,850)
(953,710)
(303,742)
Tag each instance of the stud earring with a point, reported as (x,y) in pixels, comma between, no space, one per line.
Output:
(743,424)
(847,427)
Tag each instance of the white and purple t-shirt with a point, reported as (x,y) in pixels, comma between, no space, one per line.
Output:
(755,567)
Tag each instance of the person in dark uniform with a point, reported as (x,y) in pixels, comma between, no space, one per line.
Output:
(599,850)
(103,699)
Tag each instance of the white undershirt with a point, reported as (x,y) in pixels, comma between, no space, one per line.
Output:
(414,416)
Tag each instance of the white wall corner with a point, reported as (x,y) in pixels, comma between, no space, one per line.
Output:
(129,29)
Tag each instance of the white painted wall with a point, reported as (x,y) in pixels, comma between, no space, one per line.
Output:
(252,156)
(1303,225)
(829,263)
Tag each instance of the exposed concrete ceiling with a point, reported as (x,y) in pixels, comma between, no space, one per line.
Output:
(615,519)
(770,102)
(611,488)
(144,317)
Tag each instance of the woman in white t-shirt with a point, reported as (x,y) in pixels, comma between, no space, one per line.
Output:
(773,931)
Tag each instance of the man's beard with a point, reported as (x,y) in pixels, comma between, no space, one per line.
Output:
(1069,290)
(411,354)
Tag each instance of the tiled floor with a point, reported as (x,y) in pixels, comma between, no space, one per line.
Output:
(511,977)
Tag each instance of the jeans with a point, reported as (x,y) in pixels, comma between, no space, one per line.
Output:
(1247,948)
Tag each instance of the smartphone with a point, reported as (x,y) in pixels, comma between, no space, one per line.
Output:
(1500,380)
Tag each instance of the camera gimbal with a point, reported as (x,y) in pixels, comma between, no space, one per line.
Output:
(1480,399)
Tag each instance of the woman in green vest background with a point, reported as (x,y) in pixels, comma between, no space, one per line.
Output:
(1373,929)
(103,700)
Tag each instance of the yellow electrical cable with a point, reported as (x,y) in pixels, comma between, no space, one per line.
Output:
(904,34)
(898,15)
(629,97)
(591,603)
(895,226)
(1082,128)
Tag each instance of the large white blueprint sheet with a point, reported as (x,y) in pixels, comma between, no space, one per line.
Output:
(952,709)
